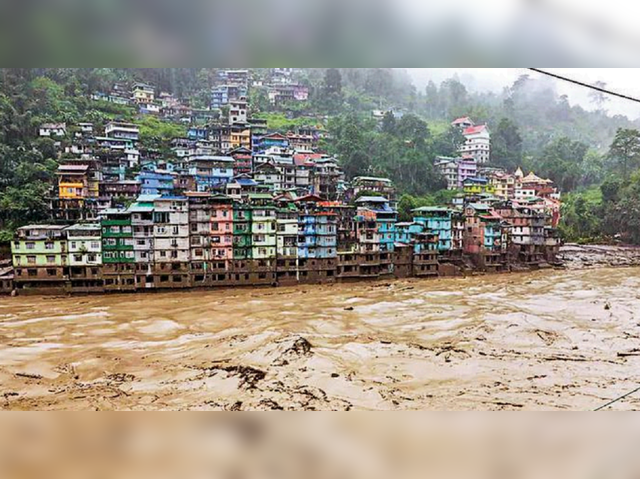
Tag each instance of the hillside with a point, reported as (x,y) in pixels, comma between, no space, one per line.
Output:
(531,126)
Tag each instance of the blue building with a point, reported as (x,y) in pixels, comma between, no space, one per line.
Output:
(317,229)
(376,223)
(157,182)
(198,133)
(265,142)
(436,221)
(209,171)
(221,95)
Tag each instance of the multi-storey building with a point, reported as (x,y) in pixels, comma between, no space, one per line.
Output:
(448,168)
(503,184)
(122,131)
(238,111)
(456,170)
(128,189)
(242,164)
(242,233)
(483,237)
(263,228)
(302,142)
(76,195)
(143,239)
(156,182)
(222,229)
(287,242)
(436,221)
(370,184)
(476,186)
(84,242)
(266,142)
(221,95)
(143,93)
(171,253)
(375,227)
(326,177)
(477,143)
(40,258)
(210,172)
(317,240)
(118,255)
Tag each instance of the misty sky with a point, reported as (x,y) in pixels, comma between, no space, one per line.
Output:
(621,80)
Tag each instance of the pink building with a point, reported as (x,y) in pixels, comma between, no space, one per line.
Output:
(222,229)
(467,168)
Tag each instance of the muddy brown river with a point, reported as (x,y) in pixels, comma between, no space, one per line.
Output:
(546,340)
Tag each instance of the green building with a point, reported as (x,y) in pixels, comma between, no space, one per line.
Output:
(117,237)
(242,219)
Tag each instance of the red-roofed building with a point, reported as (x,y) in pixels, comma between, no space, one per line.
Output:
(477,143)
(463,122)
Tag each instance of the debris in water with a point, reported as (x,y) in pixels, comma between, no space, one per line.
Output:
(28,376)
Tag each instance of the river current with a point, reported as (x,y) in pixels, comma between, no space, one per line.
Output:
(546,340)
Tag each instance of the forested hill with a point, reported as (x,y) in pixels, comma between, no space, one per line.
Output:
(531,126)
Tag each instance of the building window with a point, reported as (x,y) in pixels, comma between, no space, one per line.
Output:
(51,259)
(48,245)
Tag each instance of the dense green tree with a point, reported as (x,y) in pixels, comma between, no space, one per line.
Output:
(379,81)
(413,129)
(506,145)
(448,143)
(561,160)
(388,123)
(624,151)
(433,101)
(332,95)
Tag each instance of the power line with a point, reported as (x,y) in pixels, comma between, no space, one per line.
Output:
(617,399)
(586,85)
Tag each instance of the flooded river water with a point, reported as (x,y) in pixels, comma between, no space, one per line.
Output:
(544,340)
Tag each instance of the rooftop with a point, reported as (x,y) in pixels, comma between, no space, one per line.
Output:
(372,199)
(42,227)
(84,227)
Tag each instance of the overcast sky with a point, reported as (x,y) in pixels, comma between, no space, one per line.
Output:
(621,80)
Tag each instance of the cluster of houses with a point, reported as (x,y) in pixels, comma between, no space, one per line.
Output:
(229,86)
(253,236)
(234,205)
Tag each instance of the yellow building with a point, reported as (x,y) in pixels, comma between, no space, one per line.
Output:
(474,186)
(143,93)
(504,185)
(72,182)
(240,138)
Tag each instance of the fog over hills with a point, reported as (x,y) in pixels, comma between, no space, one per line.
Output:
(621,80)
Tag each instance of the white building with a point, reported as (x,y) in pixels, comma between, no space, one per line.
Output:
(237,111)
(121,130)
(53,129)
(171,230)
(448,168)
(477,143)
(85,244)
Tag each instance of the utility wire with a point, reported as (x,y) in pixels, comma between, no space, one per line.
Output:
(586,85)
(618,399)
(619,95)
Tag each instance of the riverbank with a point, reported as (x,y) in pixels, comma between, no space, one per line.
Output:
(574,256)
(561,340)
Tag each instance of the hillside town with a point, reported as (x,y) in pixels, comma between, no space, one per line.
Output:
(236,204)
